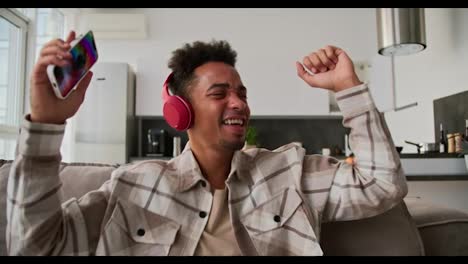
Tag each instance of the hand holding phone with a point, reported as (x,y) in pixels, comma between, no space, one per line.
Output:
(65,78)
(46,107)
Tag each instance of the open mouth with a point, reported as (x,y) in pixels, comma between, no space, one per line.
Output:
(234,122)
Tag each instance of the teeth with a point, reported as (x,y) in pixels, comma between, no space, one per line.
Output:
(234,122)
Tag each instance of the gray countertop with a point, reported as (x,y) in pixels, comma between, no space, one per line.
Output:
(417,167)
(430,155)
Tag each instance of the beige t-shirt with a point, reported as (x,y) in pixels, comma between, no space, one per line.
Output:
(218,237)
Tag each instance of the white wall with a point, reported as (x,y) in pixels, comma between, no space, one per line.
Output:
(268,42)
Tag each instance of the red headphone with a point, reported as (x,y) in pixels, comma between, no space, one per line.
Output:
(177,111)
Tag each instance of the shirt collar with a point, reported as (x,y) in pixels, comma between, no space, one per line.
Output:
(189,172)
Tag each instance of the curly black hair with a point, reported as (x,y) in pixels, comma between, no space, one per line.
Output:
(185,60)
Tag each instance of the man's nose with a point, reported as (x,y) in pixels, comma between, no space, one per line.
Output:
(237,102)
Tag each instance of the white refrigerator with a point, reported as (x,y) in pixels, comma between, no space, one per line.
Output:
(105,123)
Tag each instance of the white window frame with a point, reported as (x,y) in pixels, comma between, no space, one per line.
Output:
(28,57)
(16,18)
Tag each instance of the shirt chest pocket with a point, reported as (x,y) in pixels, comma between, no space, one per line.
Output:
(281,227)
(134,231)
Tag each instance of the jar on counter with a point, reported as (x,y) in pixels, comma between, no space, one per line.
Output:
(451,143)
(458,142)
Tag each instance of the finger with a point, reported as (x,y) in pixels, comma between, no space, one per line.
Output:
(54,60)
(57,51)
(300,70)
(71,36)
(55,42)
(84,83)
(324,58)
(43,62)
(338,51)
(309,65)
(317,63)
(304,75)
(330,51)
(78,96)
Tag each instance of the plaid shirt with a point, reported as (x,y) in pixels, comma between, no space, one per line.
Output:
(277,199)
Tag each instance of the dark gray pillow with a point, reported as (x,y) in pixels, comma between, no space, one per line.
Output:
(443,230)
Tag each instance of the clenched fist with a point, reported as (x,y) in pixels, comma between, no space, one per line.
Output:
(331,67)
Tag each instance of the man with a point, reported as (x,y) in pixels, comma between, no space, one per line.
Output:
(213,199)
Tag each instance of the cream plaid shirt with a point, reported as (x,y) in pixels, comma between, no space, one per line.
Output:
(277,199)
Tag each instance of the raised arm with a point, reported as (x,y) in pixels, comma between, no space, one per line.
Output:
(37,222)
(375,181)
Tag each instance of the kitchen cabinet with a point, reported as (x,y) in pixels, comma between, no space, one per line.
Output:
(382,82)
(380,75)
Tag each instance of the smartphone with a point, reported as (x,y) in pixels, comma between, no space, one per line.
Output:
(84,56)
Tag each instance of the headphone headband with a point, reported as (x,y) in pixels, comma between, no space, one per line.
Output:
(165,91)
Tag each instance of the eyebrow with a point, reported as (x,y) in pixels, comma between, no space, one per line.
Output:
(225,86)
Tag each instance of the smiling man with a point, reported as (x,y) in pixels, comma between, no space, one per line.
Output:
(213,199)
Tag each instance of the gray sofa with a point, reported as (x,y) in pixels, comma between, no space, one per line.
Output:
(412,228)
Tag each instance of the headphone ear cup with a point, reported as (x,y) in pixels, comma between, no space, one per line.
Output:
(178,113)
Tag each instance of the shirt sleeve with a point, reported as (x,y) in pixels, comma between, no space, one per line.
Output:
(375,181)
(37,222)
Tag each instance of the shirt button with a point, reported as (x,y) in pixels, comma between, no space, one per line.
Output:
(277,218)
(202,214)
(203,184)
(140,232)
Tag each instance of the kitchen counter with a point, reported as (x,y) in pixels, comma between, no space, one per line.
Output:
(429,155)
(432,166)
(417,167)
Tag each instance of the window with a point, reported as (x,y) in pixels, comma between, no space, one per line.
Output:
(45,24)
(50,23)
(13,30)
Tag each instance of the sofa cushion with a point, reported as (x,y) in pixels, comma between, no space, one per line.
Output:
(443,230)
(392,233)
(81,178)
(77,180)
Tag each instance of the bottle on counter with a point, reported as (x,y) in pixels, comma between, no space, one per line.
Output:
(347,147)
(442,141)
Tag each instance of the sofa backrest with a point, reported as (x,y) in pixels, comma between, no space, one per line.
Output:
(81,178)
(391,233)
